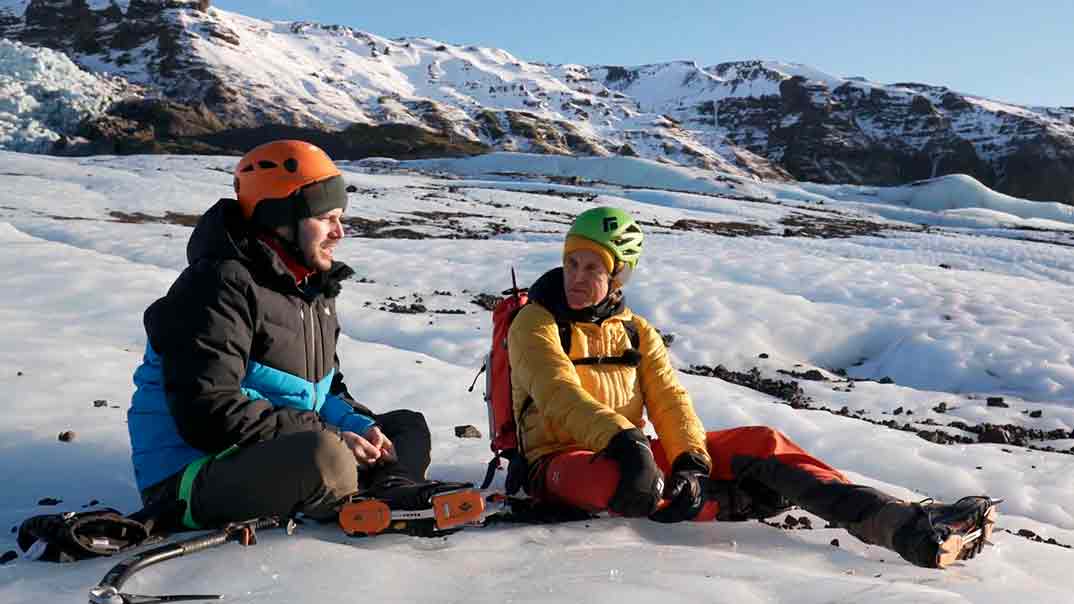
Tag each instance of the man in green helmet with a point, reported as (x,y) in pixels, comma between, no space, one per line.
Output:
(586,372)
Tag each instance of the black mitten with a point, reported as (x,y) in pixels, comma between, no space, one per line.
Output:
(684,491)
(640,480)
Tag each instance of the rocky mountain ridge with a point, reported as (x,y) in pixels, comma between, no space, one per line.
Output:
(209,81)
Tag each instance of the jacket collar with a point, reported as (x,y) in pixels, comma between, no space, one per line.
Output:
(299,270)
(548,292)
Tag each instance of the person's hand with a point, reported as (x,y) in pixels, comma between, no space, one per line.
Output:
(640,480)
(383,444)
(365,453)
(684,490)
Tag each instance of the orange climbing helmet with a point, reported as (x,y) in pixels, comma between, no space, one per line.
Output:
(284,181)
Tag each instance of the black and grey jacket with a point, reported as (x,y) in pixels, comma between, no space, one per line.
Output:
(237,353)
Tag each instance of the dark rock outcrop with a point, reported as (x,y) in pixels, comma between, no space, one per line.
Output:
(158,126)
(847,136)
(859,132)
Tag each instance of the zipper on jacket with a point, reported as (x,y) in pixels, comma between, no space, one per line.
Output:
(313,350)
(305,343)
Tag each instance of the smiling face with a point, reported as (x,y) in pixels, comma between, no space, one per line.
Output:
(318,236)
(585,279)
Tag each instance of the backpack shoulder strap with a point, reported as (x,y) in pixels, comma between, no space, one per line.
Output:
(632,333)
(564,335)
(630,356)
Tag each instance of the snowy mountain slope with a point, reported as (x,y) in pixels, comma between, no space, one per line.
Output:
(92,241)
(229,73)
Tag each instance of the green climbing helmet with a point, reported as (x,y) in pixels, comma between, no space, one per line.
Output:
(612,228)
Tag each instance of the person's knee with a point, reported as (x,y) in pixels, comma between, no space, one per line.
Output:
(333,462)
(404,421)
(580,480)
(765,433)
(410,434)
(764,439)
(777,442)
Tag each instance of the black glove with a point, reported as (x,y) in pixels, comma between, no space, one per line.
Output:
(684,490)
(640,480)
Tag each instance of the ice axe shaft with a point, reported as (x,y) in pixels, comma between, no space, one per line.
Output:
(107,591)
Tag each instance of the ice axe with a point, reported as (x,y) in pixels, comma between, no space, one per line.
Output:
(107,591)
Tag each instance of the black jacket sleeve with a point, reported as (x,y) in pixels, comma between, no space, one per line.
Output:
(203,330)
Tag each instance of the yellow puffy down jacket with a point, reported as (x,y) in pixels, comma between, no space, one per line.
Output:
(583,407)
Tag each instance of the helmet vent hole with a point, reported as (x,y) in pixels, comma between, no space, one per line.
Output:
(248,168)
(264,164)
(291,164)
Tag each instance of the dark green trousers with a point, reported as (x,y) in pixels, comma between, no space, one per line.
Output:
(308,472)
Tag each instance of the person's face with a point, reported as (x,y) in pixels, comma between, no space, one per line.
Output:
(318,236)
(585,279)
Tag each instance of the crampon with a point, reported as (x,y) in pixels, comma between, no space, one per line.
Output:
(448,511)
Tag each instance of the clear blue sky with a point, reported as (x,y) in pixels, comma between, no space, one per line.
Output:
(1017,51)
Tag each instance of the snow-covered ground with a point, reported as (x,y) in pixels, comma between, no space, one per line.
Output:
(974,305)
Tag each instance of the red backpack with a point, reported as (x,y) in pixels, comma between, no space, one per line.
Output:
(503,430)
(503,427)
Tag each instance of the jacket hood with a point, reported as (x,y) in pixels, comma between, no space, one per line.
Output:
(223,234)
(548,292)
(219,235)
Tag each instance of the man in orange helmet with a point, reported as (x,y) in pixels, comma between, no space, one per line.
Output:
(240,409)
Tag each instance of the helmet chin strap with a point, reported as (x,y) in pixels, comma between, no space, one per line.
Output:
(610,300)
(616,281)
(290,245)
(282,217)
(620,277)
(296,248)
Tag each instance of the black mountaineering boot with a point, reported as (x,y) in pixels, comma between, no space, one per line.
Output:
(406,494)
(396,503)
(941,534)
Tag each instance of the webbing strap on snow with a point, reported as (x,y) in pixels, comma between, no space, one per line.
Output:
(186,483)
(490,471)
